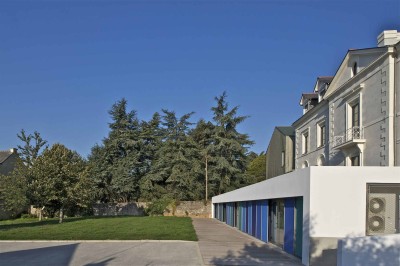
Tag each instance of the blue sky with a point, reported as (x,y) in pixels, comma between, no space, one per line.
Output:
(63,64)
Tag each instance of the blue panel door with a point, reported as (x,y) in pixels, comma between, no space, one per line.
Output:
(264,220)
(258,225)
(254,218)
(288,244)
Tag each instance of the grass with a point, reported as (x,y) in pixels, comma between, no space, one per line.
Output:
(100,228)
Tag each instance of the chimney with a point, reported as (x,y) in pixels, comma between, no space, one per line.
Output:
(388,37)
(13,150)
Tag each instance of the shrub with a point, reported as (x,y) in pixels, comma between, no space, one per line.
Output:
(27,216)
(158,206)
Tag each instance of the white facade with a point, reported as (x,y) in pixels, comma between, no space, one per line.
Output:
(350,119)
(360,111)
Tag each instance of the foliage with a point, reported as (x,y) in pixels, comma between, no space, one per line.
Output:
(176,171)
(116,165)
(29,152)
(14,190)
(158,206)
(229,148)
(100,228)
(168,157)
(256,170)
(61,180)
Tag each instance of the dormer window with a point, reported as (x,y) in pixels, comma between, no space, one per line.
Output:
(354,69)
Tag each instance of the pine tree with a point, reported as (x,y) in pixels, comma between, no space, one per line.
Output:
(202,134)
(229,148)
(176,171)
(116,163)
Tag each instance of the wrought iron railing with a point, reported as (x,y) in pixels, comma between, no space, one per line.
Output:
(353,133)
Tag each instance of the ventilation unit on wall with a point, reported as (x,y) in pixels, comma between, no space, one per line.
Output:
(381,218)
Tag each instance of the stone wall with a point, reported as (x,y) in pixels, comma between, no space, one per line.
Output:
(182,208)
(190,209)
(115,209)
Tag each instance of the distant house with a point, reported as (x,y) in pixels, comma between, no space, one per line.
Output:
(280,152)
(8,160)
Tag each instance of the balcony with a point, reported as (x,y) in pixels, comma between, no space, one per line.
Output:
(351,137)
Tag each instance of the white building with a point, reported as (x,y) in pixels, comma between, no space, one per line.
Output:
(350,119)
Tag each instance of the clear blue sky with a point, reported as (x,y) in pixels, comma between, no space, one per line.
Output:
(63,64)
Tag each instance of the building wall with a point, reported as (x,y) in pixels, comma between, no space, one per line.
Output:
(370,250)
(314,118)
(334,203)
(8,165)
(363,60)
(397,108)
(372,88)
(279,143)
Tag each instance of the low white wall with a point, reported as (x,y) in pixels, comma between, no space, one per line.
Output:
(334,199)
(294,184)
(338,198)
(369,250)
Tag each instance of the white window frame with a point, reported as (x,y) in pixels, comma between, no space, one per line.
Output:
(304,149)
(349,108)
(320,124)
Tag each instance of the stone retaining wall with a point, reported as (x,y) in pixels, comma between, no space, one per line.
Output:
(182,208)
(115,209)
(191,209)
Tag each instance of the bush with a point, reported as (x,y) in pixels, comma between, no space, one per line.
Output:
(158,206)
(27,216)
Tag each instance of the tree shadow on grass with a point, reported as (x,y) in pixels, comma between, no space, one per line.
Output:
(53,255)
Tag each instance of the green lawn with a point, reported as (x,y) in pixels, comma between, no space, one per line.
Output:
(100,228)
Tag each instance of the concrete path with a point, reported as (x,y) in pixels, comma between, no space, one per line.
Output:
(223,245)
(100,253)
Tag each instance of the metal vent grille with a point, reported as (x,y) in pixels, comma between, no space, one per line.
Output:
(383,207)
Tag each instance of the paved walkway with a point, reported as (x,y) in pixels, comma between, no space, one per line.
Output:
(119,253)
(223,245)
(218,244)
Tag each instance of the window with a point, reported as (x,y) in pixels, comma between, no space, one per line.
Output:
(305,142)
(321,134)
(355,160)
(354,69)
(355,115)
(283,159)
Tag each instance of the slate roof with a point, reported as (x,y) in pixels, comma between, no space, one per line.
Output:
(286,130)
(4,155)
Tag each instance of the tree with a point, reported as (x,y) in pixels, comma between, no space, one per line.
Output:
(229,148)
(116,164)
(29,152)
(60,179)
(176,170)
(257,169)
(202,134)
(14,190)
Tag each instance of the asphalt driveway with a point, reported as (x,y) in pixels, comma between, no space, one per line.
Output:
(108,253)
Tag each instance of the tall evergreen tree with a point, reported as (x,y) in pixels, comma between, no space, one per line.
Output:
(202,134)
(229,148)
(176,171)
(115,164)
